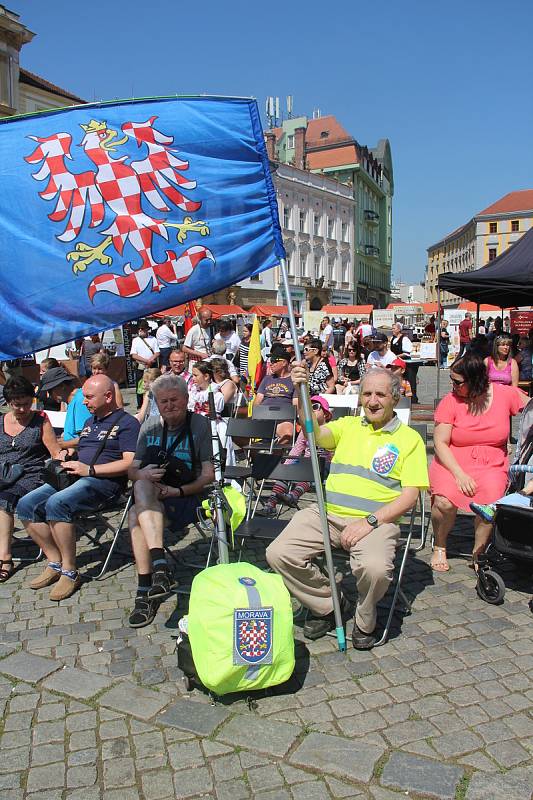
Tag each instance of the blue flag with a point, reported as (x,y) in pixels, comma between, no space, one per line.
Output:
(110,212)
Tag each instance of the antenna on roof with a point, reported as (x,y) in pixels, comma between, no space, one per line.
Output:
(289,106)
(316,113)
(272,111)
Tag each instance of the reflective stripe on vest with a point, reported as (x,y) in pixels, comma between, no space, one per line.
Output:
(368,474)
(350,501)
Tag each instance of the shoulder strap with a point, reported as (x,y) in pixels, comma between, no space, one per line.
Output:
(103,442)
(185,433)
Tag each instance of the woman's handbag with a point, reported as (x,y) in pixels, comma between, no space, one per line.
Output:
(9,474)
(56,476)
(59,478)
(177,473)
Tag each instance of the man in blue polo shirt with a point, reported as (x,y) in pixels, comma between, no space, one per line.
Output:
(105,451)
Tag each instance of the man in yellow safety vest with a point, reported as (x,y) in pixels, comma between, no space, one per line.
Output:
(377,471)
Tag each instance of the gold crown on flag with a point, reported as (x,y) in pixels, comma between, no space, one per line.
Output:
(94,126)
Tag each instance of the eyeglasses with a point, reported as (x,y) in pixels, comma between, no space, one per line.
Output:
(456,382)
(307,349)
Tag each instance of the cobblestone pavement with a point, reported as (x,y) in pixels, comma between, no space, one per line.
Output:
(93,709)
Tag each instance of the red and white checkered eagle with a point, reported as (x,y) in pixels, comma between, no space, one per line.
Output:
(119,193)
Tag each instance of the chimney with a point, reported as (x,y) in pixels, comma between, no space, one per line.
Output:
(299,148)
(270,137)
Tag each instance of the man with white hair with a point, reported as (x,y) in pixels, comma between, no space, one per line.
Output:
(170,471)
(378,468)
(219,351)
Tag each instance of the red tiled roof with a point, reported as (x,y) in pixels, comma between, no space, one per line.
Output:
(514,201)
(40,83)
(333,157)
(316,128)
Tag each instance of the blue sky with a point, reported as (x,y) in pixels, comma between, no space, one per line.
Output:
(448,83)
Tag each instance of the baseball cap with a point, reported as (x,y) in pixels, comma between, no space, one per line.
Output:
(379,337)
(54,377)
(398,362)
(323,402)
(278,351)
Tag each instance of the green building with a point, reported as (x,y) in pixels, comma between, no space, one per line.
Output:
(323,145)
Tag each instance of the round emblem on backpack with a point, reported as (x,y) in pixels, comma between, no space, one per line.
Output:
(247,581)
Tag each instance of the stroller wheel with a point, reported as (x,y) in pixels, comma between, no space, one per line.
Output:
(490,586)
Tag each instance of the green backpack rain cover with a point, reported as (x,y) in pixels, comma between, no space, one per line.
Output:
(240,628)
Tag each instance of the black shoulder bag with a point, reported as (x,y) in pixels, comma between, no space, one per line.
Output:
(59,478)
(177,473)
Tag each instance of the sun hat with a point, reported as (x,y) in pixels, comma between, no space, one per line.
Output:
(54,377)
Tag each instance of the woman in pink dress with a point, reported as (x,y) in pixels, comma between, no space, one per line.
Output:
(501,366)
(470,464)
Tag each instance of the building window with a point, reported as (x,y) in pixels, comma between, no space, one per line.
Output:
(515,226)
(255,278)
(331,228)
(493,227)
(331,268)
(344,232)
(289,263)
(290,141)
(6,80)
(345,271)
(286,218)
(316,224)
(303,265)
(492,253)
(317,265)
(302,221)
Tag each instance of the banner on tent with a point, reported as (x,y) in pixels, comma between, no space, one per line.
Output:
(109,212)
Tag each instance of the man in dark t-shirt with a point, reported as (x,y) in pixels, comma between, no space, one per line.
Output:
(277,389)
(105,451)
(189,440)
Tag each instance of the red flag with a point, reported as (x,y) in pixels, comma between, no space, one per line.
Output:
(190,313)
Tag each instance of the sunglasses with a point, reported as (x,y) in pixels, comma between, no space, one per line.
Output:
(456,382)
(276,359)
(306,349)
(316,406)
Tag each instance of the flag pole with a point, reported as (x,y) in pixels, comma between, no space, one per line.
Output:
(308,425)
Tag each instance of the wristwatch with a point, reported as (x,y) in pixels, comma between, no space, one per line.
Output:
(372,520)
(92,473)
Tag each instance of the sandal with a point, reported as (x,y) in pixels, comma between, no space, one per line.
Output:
(5,574)
(439,562)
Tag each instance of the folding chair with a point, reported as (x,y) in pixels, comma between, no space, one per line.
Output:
(259,434)
(341,411)
(264,469)
(422,429)
(96,518)
(281,413)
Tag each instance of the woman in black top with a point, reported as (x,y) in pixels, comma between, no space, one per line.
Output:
(26,440)
(354,358)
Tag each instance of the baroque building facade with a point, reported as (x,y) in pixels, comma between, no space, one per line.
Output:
(479,241)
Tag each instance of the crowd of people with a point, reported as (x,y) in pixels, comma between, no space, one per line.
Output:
(377,465)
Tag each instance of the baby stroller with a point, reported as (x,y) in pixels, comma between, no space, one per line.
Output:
(513,524)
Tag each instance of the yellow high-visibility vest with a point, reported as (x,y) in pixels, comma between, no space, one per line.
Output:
(370,466)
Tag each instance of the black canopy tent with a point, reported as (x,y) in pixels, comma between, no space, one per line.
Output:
(506,282)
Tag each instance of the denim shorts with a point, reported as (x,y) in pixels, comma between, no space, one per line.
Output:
(46,504)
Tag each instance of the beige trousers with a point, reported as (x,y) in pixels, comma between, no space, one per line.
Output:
(371,562)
